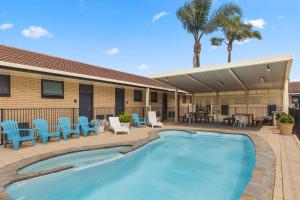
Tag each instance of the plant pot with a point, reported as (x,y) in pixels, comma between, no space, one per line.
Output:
(286,128)
(100,129)
(127,124)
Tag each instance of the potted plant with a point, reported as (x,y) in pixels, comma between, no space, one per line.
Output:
(125,118)
(278,116)
(286,124)
(100,124)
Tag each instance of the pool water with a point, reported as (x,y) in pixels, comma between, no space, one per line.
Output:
(75,159)
(179,165)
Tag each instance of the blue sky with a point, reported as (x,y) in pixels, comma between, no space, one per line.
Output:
(141,36)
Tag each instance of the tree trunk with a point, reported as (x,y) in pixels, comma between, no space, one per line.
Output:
(197,50)
(229,49)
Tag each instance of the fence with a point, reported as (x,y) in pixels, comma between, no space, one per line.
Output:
(296,114)
(25,116)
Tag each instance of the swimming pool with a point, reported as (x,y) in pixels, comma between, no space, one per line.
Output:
(178,165)
(75,159)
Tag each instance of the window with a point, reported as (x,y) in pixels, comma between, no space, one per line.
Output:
(138,96)
(271,109)
(296,101)
(153,96)
(224,110)
(52,89)
(183,99)
(5,86)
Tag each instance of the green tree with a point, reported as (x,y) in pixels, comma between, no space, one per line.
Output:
(198,19)
(233,30)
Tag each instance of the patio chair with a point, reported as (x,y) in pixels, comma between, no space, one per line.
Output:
(86,127)
(42,128)
(68,128)
(11,129)
(138,121)
(116,126)
(189,118)
(152,120)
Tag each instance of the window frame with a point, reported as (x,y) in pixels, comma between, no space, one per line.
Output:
(9,85)
(151,97)
(138,96)
(52,96)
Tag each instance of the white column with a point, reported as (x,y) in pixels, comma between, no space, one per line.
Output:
(285,96)
(176,105)
(148,107)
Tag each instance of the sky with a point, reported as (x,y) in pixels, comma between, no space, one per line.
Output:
(142,36)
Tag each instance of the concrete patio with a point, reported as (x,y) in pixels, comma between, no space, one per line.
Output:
(286,149)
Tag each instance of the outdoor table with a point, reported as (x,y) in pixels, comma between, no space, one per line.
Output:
(209,117)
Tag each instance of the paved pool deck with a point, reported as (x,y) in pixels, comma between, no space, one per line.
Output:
(286,149)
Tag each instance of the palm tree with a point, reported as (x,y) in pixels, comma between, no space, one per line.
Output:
(234,30)
(198,19)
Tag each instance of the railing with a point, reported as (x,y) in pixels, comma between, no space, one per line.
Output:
(296,114)
(25,116)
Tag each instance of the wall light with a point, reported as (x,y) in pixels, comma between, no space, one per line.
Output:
(262,80)
(268,68)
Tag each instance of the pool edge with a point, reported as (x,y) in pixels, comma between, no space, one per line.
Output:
(261,185)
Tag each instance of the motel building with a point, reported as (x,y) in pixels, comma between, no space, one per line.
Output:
(34,85)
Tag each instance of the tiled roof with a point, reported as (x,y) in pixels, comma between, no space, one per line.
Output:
(294,87)
(29,58)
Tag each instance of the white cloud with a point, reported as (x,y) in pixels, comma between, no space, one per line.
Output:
(6,26)
(280,17)
(258,23)
(143,67)
(159,15)
(112,51)
(36,32)
(243,42)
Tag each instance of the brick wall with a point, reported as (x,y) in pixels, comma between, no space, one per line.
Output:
(26,93)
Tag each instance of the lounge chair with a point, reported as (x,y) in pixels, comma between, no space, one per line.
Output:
(152,120)
(116,126)
(68,128)
(85,126)
(43,130)
(11,129)
(138,121)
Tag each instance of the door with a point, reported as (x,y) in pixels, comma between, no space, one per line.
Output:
(86,101)
(165,107)
(119,101)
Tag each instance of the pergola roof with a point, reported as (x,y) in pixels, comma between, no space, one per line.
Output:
(266,73)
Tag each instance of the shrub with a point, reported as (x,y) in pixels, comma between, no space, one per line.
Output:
(285,118)
(279,115)
(125,117)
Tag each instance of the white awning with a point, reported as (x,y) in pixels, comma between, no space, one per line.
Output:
(266,73)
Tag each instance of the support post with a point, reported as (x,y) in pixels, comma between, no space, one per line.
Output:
(148,107)
(285,96)
(176,105)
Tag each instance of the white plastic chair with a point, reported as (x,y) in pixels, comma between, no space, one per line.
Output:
(152,120)
(116,125)
(237,119)
(189,118)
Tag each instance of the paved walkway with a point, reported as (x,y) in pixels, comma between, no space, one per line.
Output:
(286,149)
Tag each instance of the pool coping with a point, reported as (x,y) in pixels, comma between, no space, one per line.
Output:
(260,187)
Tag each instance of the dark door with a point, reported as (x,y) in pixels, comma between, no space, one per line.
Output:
(86,100)
(119,101)
(165,107)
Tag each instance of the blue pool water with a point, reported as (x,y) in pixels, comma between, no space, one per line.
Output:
(176,166)
(75,159)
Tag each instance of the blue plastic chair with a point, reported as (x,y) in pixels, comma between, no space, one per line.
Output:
(84,125)
(42,128)
(138,121)
(68,128)
(11,129)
